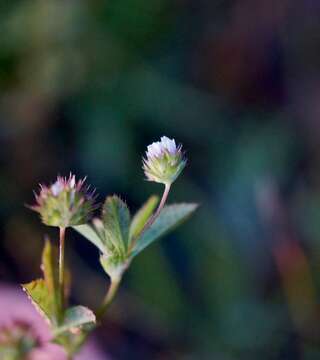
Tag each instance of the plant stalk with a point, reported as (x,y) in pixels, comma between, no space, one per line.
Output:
(61,264)
(154,216)
(113,288)
(158,211)
(115,282)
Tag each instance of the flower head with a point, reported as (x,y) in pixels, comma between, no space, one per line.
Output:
(66,202)
(164,161)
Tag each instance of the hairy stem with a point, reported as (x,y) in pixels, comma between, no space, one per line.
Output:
(61,264)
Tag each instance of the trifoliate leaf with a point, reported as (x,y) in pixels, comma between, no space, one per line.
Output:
(170,217)
(75,319)
(116,223)
(38,293)
(110,234)
(141,217)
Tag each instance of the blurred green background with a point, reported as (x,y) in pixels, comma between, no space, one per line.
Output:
(86,85)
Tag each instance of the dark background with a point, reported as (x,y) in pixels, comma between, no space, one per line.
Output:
(87,85)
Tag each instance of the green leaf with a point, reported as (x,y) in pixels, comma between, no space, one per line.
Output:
(51,276)
(75,319)
(110,234)
(170,217)
(42,300)
(44,293)
(116,222)
(141,217)
(90,234)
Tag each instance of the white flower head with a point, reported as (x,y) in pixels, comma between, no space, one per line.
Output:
(164,161)
(158,148)
(57,188)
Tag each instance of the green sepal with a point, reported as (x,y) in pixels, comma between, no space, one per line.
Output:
(170,217)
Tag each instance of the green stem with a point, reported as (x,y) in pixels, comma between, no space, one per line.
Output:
(160,207)
(154,216)
(61,264)
(115,282)
(113,288)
